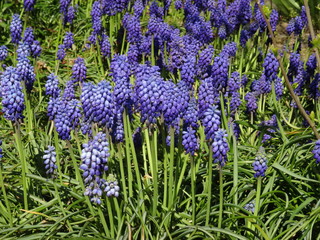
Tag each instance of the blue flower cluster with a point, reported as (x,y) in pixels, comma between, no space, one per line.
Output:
(94,158)
(260,163)
(12,95)
(50,161)
(316,151)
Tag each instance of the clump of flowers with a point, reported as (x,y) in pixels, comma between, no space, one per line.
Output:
(220,147)
(250,207)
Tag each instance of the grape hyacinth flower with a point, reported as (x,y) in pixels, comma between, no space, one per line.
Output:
(1,155)
(112,188)
(25,72)
(16,29)
(50,161)
(190,141)
(62,120)
(251,101)
(28,36)
(316,151)
(274,18)
(3,52)
(29,4)
(61,53)
(260,164)
(68,40)
(250,207)
(220,147)
(105,45)
(35,49)
(70,15)
(211,121)
(94,158)
(79,70)
(271,66)
(52,88)
(12,95)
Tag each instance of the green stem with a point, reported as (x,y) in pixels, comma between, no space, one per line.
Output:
(209,185)
(123,177)
(257,205)
(130,177)
(171,166)
(24,168)
(221,199)
(193,190)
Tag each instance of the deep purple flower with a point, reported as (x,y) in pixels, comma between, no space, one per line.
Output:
(15,29)
(234,82)
(188,71)
(278,85)
(207,96)
(29,4)
(3,52)
(251,101)
(105,46)
(28,37)
(25,72)
(69,91)
(79,70)
(12,95)
(138,8)
(50,161)
(112,7)
(315,87)
(220,147)
(68,40)
(235,102)
(52,88)
(303,16)
(35,49)
(118,127)
(69,17)
(291,26)
(133,55)
(274,18)
(220,71)
(244,37)
(259,18)
(211,122)
(271,66)
(112,189)
(74,110)
(96,14)
(316,151)
(64,4)
(311,65)
(132,25)
(178,4)
(1,155)
(61,53)
(260,164)
(190,141)
(190,117)
(205,59)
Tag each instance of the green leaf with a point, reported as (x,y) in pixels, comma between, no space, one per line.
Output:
(283,169)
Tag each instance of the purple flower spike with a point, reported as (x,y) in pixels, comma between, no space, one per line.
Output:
(15,29)
(260,164)
(79,70)
(211,121)
(220,147)
(29,4)
(50,161)
(3,52)
(190,141)
(68,40)
(12,95)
